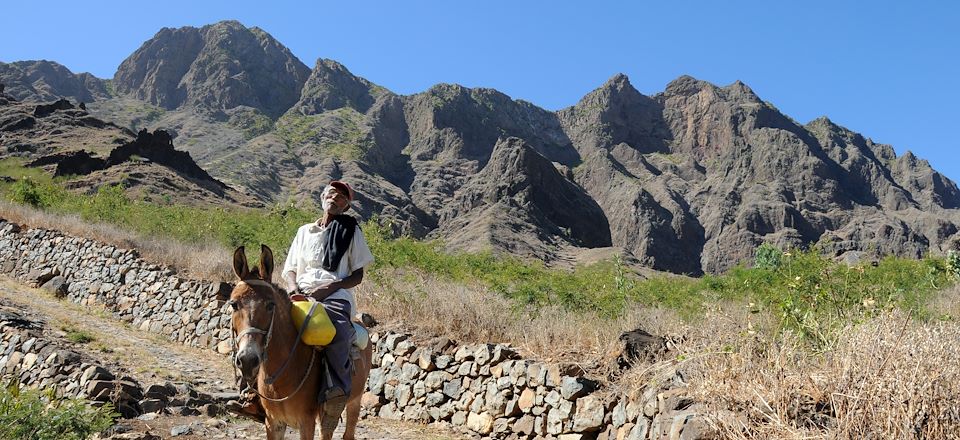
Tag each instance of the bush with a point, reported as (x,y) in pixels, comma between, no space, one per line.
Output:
(767,257)
(953,263)
(37,415)
(28,191)
(109,204)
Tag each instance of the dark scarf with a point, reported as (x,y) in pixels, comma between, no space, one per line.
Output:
(336,240)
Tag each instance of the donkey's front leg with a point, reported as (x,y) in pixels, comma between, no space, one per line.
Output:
(353,415)
(308,428)
(275,429)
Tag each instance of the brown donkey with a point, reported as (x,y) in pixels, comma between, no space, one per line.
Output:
(269,353)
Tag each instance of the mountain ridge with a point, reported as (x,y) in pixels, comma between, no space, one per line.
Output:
(688,180)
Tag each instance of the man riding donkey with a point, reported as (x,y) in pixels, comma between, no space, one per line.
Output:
(324,264)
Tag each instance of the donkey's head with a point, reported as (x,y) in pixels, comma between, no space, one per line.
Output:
(254,301)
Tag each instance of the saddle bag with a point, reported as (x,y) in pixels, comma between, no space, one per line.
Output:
(320,330)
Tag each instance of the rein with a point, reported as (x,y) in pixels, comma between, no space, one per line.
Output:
(263,359)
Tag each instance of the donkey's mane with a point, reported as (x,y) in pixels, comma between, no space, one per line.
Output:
(280,292)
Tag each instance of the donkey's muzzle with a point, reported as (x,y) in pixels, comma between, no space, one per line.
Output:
(247,362)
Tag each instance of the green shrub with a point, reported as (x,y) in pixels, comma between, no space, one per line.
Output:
(767,257)
(953,263)
(109,204)
(36,415)
(26,192)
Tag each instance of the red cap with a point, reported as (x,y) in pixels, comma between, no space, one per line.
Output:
(342,186)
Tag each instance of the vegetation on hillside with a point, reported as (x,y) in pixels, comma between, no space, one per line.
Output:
(795,343)
(807,292)
(40,415)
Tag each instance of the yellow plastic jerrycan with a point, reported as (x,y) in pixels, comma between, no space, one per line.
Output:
(320,330)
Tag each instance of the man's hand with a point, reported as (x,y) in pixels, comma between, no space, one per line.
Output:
(290,278)
(324,290)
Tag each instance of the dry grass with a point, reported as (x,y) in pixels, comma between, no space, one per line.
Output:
(472,313)
(209,260)
(946,304)
(891,377)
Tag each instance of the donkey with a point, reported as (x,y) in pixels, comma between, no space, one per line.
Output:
(270,354)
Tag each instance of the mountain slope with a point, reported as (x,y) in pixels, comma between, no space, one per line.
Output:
(43,81)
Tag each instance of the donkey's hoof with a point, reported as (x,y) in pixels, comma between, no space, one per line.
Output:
(250,410)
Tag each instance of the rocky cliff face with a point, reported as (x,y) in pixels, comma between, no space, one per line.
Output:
(689,180)
(216,67)
(522,203)
(43,81)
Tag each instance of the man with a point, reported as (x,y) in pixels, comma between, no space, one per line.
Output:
(325,262)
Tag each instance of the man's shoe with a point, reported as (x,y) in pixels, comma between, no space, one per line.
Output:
(332,409)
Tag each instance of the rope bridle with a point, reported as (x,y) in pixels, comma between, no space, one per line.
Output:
(236,338)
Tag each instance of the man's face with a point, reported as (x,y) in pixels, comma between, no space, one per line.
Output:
(335,201)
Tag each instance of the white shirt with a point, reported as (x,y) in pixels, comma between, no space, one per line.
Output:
(305,255)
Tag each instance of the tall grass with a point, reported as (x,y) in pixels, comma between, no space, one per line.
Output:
(889,377)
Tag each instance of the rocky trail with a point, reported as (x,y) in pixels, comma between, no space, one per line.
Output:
(153,359)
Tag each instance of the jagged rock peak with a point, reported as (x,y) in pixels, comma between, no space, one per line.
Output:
(510,154)
(741,91)
(619,81)
(687,85)
(216,67)
(331,86)
(823,121)
(158,147)
(617,85)
(825,125)
(824,128)
(449,90)
(915,162)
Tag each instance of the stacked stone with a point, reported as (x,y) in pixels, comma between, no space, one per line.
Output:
(489,391)
(149,296)
(39,360)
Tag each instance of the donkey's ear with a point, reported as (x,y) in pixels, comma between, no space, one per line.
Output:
(240,264)
(266,263)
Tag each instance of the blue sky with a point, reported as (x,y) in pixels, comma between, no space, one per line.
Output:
(885,69)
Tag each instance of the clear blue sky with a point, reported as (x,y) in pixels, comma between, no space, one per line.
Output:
(887,69)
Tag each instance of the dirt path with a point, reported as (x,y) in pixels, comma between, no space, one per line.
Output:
(153,358)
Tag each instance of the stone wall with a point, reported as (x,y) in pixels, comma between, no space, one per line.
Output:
(149,296)
(40,357)
(486,390)
(492,392)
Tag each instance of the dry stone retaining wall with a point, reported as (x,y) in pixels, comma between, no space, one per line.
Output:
(149,296)
(37,357)
(486,390)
